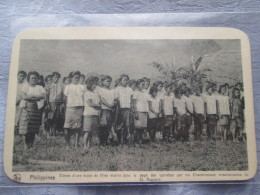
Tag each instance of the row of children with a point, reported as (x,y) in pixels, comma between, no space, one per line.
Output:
(132,112)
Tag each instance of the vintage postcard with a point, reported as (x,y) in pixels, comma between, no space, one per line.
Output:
(143,104)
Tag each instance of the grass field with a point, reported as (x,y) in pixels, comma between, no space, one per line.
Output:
(52,155)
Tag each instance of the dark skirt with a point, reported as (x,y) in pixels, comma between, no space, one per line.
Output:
(168,119)
(30,119)
(91,124)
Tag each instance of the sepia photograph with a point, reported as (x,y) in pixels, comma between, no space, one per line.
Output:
(113,105)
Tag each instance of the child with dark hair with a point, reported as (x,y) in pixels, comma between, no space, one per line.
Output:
(140,110)
(154,112)
(21,84)
(199,112)
(237,115)
(146,85)
(190,109)
(124,95)
(181,111)
(107,98)
(167,111)
(82,79)
(91,113)
(224,112)
(73,93)
(56,113)
(211,110)
(32,103)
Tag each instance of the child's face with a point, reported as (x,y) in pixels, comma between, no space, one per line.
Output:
(147,84)
(223,90)
(56,79)
(210,90)
(187,93)
(132,86)
(49,80)
(155,93)
(124,81)
(107,83)
(21,78)
(75,79)
(33,80)
(198,91)
(67,81)
(93,87)
(82,79)
(237,93)
(141,85)
(160,87)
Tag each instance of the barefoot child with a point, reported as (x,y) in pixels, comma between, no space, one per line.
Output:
(124,95)
(189,104)
(237,115)
(181,111)
(154,112)
(107,98)
(199,112)
(140,103)
(73,93)
(211,110)
(167,111)
(91,114)
(224,112)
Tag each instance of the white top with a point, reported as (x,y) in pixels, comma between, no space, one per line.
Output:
(155,106)
(141,101)
(168,104)
(108,95)
(74,95)
(189,103)
(180,105)
(124,95)
(36,90)
(21,87)
(89,95)
(198,103)
(211,101)
(223,104)
(160,95)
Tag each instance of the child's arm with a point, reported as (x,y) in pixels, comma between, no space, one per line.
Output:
(151,108)
(134,107)
(205,110)
(93,105)
(162,108)
(103,101)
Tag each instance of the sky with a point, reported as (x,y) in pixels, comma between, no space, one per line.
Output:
(133,57)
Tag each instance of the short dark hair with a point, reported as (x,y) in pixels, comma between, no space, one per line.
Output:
(122,76)
(82,75)
(153,89)
(105,77)
(32,73)
(146,79)
(157,83)
(91,81)
(56,74)
(22,72)
(74,73)
(235,89)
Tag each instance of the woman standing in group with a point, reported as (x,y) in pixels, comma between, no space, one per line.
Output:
(74,93)
(32,106)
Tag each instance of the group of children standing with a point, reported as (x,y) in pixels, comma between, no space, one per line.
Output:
(131,113)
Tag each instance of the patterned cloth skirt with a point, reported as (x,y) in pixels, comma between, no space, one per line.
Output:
(91,124)
(224,120)
(30,119)
(73,117)
(141,122)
